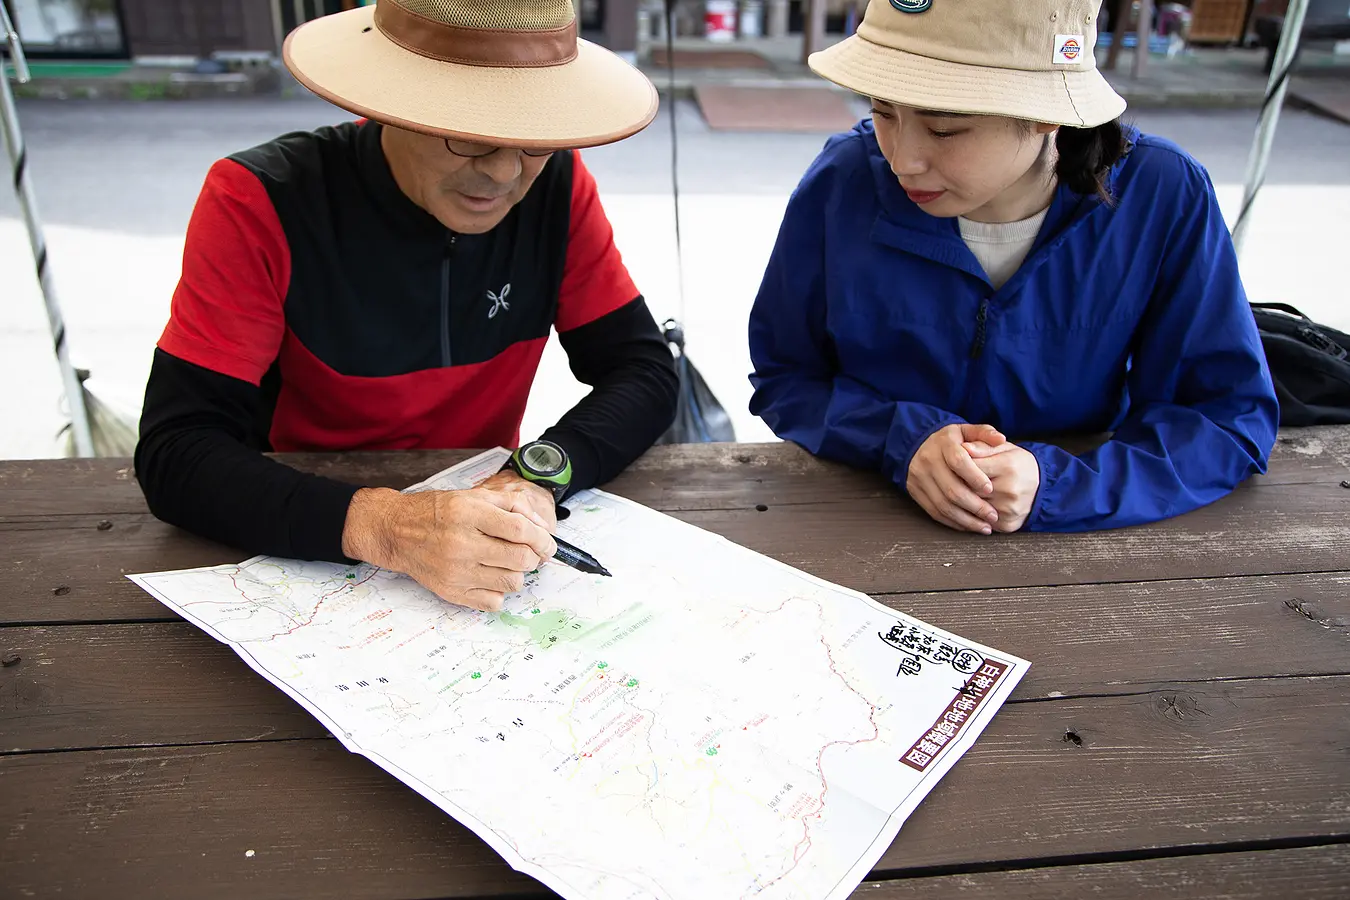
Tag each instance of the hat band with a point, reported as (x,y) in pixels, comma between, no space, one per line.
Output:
(475,46)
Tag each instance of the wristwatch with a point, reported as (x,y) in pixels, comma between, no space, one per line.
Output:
(544,463)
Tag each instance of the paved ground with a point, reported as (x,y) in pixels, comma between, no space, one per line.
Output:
(116,183)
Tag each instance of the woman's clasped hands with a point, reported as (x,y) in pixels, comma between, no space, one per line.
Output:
(972,478)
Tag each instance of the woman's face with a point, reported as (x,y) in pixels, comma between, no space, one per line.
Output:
(986,168)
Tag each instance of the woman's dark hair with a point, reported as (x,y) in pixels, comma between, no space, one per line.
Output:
(1086,155)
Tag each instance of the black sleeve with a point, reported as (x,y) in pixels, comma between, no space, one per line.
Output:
(627,362)
(200,465)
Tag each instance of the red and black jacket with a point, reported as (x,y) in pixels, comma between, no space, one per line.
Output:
(321,309)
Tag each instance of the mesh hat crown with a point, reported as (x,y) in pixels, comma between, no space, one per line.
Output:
(530,15)
(1028,59)
(511,73)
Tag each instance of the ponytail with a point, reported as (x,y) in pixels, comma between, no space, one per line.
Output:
(1086,155)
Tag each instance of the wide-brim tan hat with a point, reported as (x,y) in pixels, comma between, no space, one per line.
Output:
(509,73)
(1027,59)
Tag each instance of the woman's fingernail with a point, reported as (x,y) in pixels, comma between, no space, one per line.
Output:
(986,530)
(992,517)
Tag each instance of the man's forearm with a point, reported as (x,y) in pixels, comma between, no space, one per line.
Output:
(241,498)
(632,402)
(198,471)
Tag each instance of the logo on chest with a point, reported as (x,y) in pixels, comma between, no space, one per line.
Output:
(499,303)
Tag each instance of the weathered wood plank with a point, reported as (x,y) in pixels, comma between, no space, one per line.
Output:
(1240,761)
(1312,454)
(88,686)
(74,568)
(1233,761)
(686,476)
(1310,873)
(1113,638)
(48,487)
(290,819)
(891,547)
(81,686)
(876,545)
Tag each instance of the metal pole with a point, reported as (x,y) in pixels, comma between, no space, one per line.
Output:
(18,156)
(1270,116)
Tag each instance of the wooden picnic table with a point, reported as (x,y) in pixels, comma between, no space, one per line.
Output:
(1184,730)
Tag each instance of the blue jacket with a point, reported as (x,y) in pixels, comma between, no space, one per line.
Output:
(875,326)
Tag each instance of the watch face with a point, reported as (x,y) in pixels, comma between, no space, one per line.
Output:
(543,459)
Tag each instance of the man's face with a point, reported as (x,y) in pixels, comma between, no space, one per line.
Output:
(469,188)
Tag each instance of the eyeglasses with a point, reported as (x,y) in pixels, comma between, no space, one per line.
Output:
(478,151)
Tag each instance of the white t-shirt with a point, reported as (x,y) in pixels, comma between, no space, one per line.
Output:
(1001,246)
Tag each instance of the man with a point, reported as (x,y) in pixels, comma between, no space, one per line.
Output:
(391,283)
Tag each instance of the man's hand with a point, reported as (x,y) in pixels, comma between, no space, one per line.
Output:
(525,497)
(945,481)
(1016,476)
(469,547)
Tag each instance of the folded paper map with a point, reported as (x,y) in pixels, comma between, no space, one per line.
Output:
(708,723)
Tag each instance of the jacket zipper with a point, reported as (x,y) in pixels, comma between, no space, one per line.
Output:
(981,318)
(445,298)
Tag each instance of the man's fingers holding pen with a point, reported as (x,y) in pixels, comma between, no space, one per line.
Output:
(517,529)
(462,545)
(513,493)
(514,557)
(478,598)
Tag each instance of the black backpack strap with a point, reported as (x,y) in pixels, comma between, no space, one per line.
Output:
(1282,307)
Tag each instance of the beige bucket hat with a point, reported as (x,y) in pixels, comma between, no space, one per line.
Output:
(510,73)
(1028,59)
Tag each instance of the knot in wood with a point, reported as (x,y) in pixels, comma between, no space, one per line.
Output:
(1179,707)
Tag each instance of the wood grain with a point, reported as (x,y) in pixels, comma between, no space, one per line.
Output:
(890,547)
(82,686)
(1259,760)
(680,476)
(181,822)
(1186,720)
(876,545)
(1310,873)
(1175,766)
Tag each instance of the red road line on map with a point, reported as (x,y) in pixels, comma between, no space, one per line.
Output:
(314,612)
(805,843)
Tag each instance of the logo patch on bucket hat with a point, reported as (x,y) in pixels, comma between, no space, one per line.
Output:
(1068,47)
(911,6)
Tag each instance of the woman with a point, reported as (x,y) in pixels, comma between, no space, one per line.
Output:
(993,254)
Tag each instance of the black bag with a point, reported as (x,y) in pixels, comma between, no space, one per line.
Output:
(1309,363)
(699,418)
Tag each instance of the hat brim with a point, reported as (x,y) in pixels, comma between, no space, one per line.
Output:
(1078,98)
(595,99)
